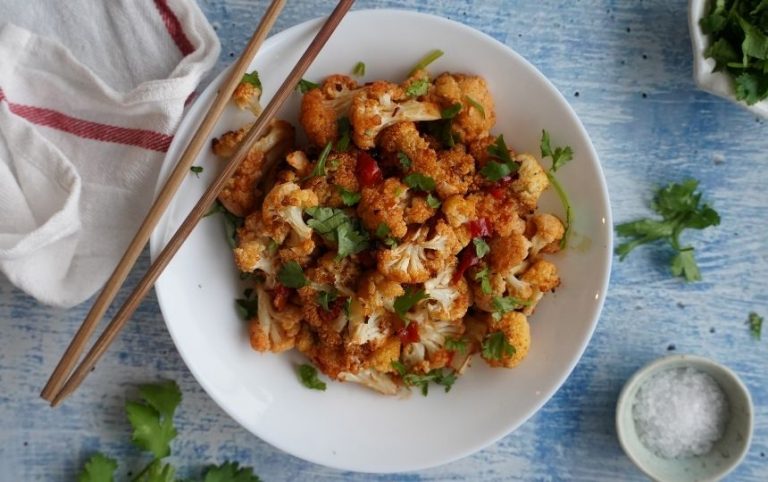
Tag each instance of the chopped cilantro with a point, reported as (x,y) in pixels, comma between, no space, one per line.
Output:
(432,201)
(359,69)
(325,298)
(426,60)
(755,323)
(99,468)
(349,198)
(483,277)
(419,181)
(560,156)
(477,105)
(438,376)
(335,226)
(499,150)
(382,230)
(680,207)
(405,161)
(505,304)
(450,112)
(196,170)
(253,79)
(308,377)
(456,344)
(319,169)
(417,88)
(231,222)
(272,246)
(496,346)
(344,128)
(305,86)
(502,164)
(292,276)
(481,247)
(248,305)
(405,302)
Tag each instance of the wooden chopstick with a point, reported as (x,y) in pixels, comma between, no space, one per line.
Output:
(204,204)
(179,173)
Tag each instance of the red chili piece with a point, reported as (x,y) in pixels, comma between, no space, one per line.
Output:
(410,334)
(479,228)
(280,295)
(467,259)
(368,172)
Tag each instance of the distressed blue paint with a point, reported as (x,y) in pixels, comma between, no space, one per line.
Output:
(611,53)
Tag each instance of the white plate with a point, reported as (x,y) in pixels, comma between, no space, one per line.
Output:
(348,426)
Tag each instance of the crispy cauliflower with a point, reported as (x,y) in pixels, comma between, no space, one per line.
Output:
(507,252)
(418,258)
(321,108)
(240,192)
(517,333)
(247,96)
(429,351)
(531,181)
(255,250)
(384,204)
(502,214)
(385,355)
(481,299)
(447,300)
(381,382)
(370,329)
(381,104)
(283,210)
(376,293)
(477,114)
(545,231)
(456,170)
(273,330)
(459,210)
(418,210)
(340,174)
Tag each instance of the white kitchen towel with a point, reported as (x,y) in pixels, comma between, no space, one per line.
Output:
(91,92)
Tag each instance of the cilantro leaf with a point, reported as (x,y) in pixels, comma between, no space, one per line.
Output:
(399,367)
(451,112)
(755,323)
(325,298)
(344,128)
(456,344)
(503,166)
(248,305)
(349,198)
(751,88)
(308,377)
(405,302)
(432,201)
(485,282)
(422,380)
(252,78)
(292,276)
(335,226)
(496,346)
(382,231)
(481,247)
(495,171)
(723,53)
(681,208)
(359,69)
(157,471)
(505,304)
(499,150)
(417,88)
(229,472)
(319,169)
(419,181)
(351,240)
(152,419)
(196,170)
(99,468)
(560,156)
(477,105)
(405,161)
(231,222)
(305,86)
(426,60)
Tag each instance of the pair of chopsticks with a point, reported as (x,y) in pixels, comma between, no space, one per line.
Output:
(61,384)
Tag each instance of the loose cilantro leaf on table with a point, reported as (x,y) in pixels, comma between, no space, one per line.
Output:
(755,323)
(152,418)
(196,170)
(681,208)
(99,468)
(405,302)
(230,472)
(308,377)
(292,276)
(496,346)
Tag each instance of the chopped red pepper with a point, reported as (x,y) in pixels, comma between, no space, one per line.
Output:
(409,334)
(368,172)
(479,228)
(280,295)
(467,259)
(497,191)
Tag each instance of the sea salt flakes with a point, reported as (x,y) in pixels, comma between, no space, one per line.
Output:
(680,412)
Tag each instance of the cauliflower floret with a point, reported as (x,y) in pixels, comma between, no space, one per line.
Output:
(283,210)
(240,192)
(482,300)
(517,287)
(321,108)
(381,360)
(370,329)
(375,292)
(339,274)
(273,330)
(339,173)
(418,210)
(517,333)
(254,250)
(545,231)
(385,204)
(299,161)
(447,300)
(531,181)
(328,324)
(468,90)
(416,258)
(508,252)
(429,352)
(296,248)
(456,170)
(381,382)
(502,214)
(247,96)
(478,148)
(541,276)
(459,209)
(381,104)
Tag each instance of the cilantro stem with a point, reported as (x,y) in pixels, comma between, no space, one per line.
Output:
(143,471)
(566,204)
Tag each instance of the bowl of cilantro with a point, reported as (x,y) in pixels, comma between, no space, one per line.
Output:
(730,50)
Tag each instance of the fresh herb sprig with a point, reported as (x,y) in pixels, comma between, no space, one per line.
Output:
(755,323)
(439,376)
(560,156)
(335,226)
(495,346)
(680,208)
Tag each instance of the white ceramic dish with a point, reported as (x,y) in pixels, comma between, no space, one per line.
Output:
(348,426)
(717,83)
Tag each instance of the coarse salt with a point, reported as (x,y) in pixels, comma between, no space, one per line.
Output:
(680,412)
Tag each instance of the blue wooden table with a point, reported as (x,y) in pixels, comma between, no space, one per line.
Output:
(626,69)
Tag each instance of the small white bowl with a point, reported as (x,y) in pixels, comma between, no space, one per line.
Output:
(727,452)
(718,83)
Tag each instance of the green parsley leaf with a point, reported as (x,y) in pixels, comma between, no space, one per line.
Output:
(99,468)
(248,305)
(229,472)
(308,377)
(438,376)
(344,128)
(305,86)
(477,105)
(432,201)
(426,60)
(319,169)
(349,198)
(405,161)
(231,222)
(157,471)
(325,298)
(292,276)
(755,323)
(351,240)
(483,276)
(419,181)
(450,112)
(359,69)
(505,304)
(496,346)
(481,247)
(418,88)
(505,166)
(560,156)
(405,302)
(152,419)
(680,207)
(253,79)
(335,226)
(196,170)
(456,344)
